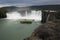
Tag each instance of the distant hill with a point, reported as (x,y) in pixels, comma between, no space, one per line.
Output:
(56,7)
(10,8)
(38,7)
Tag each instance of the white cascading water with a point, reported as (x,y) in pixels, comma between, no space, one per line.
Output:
(13,15)
(36,15)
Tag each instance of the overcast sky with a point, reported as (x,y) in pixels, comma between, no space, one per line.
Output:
(29,2)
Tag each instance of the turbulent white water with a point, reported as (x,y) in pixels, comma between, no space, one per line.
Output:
(13,15)
(36,15)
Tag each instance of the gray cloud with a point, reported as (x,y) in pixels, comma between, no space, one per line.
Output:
(29,2)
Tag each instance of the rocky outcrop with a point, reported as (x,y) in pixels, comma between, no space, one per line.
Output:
(3,13)
(44,16)
(48,31)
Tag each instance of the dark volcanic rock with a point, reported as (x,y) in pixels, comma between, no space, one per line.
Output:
(44,16)
(3,13)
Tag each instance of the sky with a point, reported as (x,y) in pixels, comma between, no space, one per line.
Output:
(28,2)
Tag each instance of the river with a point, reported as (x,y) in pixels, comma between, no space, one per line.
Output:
(11,29)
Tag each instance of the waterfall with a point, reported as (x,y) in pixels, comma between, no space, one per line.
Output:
(48,18)
(36,15)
